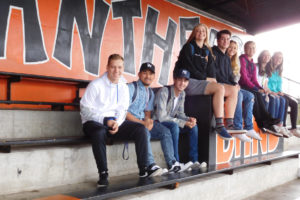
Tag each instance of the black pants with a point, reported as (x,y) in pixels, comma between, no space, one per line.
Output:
(127,131)
(294,110)
(262,117)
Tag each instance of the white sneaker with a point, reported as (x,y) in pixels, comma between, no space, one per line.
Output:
(195,166)
(203,165)
(295,133)
(287,131)
(251,133)
(243,137)
(186,166)
(284,132)
(164,171)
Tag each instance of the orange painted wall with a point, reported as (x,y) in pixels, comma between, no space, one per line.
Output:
(112,42)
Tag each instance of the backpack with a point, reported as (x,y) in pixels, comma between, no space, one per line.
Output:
(135,92)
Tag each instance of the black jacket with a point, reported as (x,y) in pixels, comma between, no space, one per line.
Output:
(198,61)
(223,68)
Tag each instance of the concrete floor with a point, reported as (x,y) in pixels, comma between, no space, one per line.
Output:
(288,191)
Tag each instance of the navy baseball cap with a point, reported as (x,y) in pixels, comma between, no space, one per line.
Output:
(147,66)
(182,73)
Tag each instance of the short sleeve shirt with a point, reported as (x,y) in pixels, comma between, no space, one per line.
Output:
(141,103)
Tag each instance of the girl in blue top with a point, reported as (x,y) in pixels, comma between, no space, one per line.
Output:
(274,71)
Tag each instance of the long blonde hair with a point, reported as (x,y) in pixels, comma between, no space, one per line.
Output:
(235,60)
(206,40)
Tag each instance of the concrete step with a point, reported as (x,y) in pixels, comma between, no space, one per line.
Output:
(34,124)
(33,168)
(241,184)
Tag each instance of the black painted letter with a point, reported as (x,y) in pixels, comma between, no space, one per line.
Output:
(71,10)
(166,45)
(127,10)
(186,24)
(34,46)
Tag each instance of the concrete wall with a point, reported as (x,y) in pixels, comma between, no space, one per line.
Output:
(33,168)
(31,124)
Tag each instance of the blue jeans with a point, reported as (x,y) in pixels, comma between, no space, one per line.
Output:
(247,99)
(163,134)
(273,105)
(193,136)
(277,107)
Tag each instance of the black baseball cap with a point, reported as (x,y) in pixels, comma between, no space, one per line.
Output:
(147,66)
(182,73)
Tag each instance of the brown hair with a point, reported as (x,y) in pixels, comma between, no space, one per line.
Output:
(270,68)
(261,71)
(220,33)
(114,57)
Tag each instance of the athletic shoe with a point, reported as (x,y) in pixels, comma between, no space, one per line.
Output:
(103,179)
(185,166)
(284,132)
(242,137)
(223,133)
(273,130)
(203,165)
(175,167)
(234,130)
(164,171)
(195,166)
(143,172)
(287,131)
(295,132)
(251,133)
(154,170)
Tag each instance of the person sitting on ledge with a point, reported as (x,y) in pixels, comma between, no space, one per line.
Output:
(169,110)
(196,57)
(142,99)
(103,110)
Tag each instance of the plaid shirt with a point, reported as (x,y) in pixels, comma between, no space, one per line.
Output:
(163,110)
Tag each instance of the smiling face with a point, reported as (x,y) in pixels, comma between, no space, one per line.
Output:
(250,49)
(232,49)
(200,33)
(223,42)
(180,83)
(277,59)
(265,57)
(114,70)
(146,77)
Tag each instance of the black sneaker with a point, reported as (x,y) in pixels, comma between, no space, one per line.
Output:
(103,180)
(143,172)
(175,167)
(154,170)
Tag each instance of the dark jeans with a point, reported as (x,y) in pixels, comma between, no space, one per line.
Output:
(127,131)
(294,110)
(262,117)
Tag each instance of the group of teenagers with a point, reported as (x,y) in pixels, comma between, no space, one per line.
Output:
(113,108)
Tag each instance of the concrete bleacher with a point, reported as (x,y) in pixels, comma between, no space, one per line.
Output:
(34,167)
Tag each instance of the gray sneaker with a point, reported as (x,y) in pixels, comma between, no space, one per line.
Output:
(234,130)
